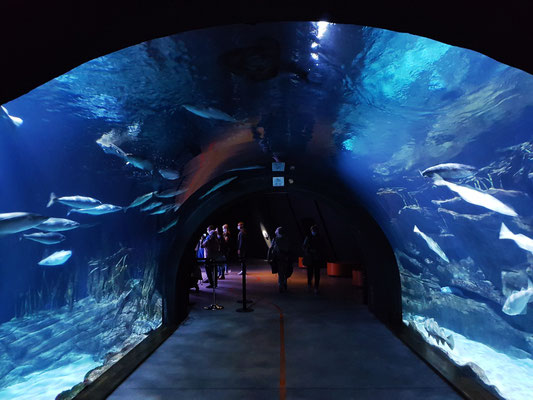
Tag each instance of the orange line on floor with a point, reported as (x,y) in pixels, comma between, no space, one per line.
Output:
(282,376)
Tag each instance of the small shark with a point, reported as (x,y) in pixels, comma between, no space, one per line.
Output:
(431,243)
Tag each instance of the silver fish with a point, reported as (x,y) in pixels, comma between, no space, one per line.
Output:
(19,221)
(516,303)
(45,238)
(151,206)
(163,209)
(57,225)
(478,198)
(58,258)
(14,121)
(218,186)
(170,193)
(449,171)
(210,113)
(431,243)
(169,226)
(521,240)
(99,210)
(436,332)
(139,162)
(73,201)
(169,174)
(112,149)
(140,200)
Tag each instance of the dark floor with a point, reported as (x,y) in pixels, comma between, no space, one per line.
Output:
(295,345)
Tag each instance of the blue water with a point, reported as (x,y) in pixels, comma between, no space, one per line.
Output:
(380,105)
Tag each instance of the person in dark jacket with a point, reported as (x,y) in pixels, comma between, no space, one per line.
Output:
(279,255)
(314,257)
(225,249)
(211,247)
(241,245)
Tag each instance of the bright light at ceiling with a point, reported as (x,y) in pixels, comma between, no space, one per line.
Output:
(322,28)
(315,56)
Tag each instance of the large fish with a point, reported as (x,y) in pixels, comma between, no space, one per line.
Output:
(436,332)
(139,162)
(449,171)
(14,121)
(99,210)
(58,258)
(57,225)
(516,303)
(169,174)
(151,206)
(169,226)
(521,240)
(73,201)
(19,221)
(44,238)
(170,193)
(140,200)
(478,198)
(431,243)
(210,113)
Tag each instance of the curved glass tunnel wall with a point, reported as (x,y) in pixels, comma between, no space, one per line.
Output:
(378,107)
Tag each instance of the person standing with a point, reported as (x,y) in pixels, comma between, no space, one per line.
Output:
(211,246)
(314,257)
(279,255)
(225,248)
(241,246)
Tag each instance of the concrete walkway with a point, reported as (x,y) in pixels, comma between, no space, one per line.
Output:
(295,345)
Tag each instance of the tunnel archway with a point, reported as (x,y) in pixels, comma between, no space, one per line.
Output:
(382,272)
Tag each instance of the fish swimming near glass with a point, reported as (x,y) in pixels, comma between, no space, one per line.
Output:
(139,162)
(57,225)
(58,258)
(163,209)
(431,243)
(169,226)
(166,194)
(112,149)
(169,174)
(19,221)
(521,240)
(516,303)
(218,186)
(449,171)
(73,201)
(151,206)
(209,113)
(436,332)
(14,121)
(478,198)
(44,237)
(140,200)
(99,210)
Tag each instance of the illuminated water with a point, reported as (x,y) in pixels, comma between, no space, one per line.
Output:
(379,106)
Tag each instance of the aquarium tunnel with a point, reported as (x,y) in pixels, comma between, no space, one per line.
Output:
(414,157)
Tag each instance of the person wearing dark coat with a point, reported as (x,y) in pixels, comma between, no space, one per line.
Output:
(279,256)
(211,247)
(314,257)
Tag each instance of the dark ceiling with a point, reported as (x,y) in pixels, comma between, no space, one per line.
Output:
(46,39)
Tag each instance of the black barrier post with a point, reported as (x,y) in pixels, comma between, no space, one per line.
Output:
(244,301)
(214,306)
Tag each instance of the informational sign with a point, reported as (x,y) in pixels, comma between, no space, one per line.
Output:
(278,166)
(278,181)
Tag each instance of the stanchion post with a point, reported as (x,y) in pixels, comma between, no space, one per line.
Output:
(214,306)
(244,301)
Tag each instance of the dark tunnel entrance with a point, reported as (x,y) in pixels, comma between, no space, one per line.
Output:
(350,233)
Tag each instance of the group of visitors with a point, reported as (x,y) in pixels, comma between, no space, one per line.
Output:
(218,250)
